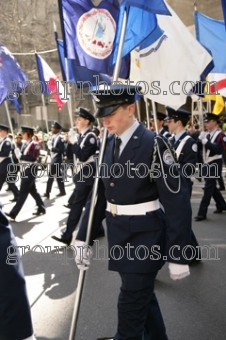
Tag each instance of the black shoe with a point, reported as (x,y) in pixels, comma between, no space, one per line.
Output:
(14,199)
(61,194)
(40,211)
(200,218)
(62,239)
(197,259)
(68,206)
(222,189)
(46,195)
(11,216)
(219,211)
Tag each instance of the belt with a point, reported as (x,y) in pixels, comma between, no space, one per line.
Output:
(133,209)
(26,162)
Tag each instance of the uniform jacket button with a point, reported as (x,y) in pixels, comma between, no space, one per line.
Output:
(112,184)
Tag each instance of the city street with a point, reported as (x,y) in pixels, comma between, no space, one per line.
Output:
(193,308)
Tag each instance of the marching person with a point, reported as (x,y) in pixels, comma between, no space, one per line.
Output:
(84,149)
(15,315)
(97,133)
(184,145)
(214,142)
(134,217)
(160,120)
(27,157)
(56,147)
(7,165)
(186,150)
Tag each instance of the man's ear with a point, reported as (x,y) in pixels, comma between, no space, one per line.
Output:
(131,109)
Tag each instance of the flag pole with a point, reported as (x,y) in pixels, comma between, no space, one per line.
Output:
(147,113)
(201,122)
(81,279)
(8,115)
(69,102)
(138,110)
(44,108)
(155,116)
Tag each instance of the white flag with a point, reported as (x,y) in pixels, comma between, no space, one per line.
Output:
(171,62)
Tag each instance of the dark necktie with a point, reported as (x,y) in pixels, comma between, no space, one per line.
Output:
(208,136)
(172,141)
(80,139)
(117,149)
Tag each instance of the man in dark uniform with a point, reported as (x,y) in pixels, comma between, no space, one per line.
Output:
(5,161)
(186,150)
(184,145)
(28,157)
(134,217)
(56,147)
(15,316)
(84,149)
(160,120)
(214,141)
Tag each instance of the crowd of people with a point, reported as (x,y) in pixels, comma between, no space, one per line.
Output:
(131,205)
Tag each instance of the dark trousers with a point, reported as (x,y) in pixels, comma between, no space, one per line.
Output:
(27,187)
(80,197)
(71,198)
(15,317)
(211,190)
(11,185)
(194,241)
(55,171)
(139,315)
(221,182)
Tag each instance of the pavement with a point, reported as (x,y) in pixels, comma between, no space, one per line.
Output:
(193,308)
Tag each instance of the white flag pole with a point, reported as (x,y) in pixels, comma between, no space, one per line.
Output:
(8,115)
(44,110)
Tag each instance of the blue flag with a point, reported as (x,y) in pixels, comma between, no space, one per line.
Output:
(77,73)
(141,21)
(223,3)
(12,77)
(211,34)
(153,6)
(89,33)
(60,47)
(16,103)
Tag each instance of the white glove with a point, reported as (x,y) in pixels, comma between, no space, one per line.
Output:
(204,141)
(72,137)
(17,153)
(83,253)
(202,135)
(50,145)
(178,271)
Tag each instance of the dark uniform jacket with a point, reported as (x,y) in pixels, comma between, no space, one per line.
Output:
(147,235)
(84,151)
(214,150)
(15,318)
(5,154)
(188,157)
(30,153)
(164,133)
(57,151)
